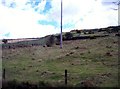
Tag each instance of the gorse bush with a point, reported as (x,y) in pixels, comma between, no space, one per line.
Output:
(50,40)
(5,41)
(68,36)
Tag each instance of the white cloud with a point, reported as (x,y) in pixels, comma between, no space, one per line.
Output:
(100,16)
(93,13)
(71,10)
(23,23)
(41,5)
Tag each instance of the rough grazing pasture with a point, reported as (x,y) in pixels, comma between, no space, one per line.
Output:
(94,60)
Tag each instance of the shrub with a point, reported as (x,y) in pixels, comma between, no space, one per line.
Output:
(58,39)
(68,36)
(50,41)
(90,32)
(5,41)
(92,37)
(78,31)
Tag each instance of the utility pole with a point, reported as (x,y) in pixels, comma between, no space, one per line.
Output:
(61,46)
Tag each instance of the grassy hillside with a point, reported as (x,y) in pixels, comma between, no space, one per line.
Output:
(72,35)
(95,60)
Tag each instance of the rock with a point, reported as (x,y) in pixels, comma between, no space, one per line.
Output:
(7,58)
(76,47)
(106,74)
(59,81)
(37,70)
(57,43)
(71,52)
(81,53)
(39,60)
(89,52)
(115,42)
(44,46)
(30,66)
(72,78)
(108,46)
(53,72)
(112,50)
(43,73)
(46,73)
(72,63)
(23,68)
(33,58)
(108,54)
(3,56)
(67,54)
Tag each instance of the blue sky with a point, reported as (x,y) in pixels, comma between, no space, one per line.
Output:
(37,18)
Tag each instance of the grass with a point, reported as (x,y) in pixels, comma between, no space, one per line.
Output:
(88,61)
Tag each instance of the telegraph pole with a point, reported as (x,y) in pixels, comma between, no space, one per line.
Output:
(61,46)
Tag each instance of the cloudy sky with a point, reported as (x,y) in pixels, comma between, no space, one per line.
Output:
(37,18)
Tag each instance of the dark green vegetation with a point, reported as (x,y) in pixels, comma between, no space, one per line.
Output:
(92,60)
(4,40)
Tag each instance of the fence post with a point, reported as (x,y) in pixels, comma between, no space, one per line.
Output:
(65,77)
(4,73)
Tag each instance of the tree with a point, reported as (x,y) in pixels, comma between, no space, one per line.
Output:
(5,41)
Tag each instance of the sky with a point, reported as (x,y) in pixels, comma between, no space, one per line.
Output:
(38,18)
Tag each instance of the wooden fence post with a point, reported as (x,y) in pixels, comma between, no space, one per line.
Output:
(65,77)
(3,73)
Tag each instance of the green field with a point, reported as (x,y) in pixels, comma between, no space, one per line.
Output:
(95,60)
